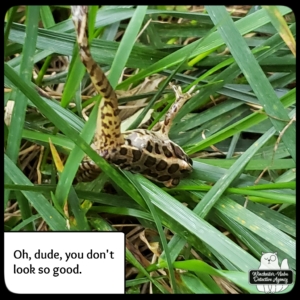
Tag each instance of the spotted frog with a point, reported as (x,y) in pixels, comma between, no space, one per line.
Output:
(148,152)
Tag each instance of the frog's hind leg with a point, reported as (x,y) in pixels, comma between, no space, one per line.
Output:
(108,132)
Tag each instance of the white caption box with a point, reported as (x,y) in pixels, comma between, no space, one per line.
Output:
(64,262)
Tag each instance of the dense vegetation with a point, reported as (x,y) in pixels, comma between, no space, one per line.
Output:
(206,234)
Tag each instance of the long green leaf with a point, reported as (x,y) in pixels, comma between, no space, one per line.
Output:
(259,83)
(191,227)
(19,111)
(46,109)
(55,221)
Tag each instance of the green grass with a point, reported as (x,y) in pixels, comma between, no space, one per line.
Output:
(239,130)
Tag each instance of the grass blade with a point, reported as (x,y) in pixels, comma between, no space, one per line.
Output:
(260,85)
(55,221)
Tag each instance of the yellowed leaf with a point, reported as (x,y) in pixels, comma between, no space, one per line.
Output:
(56,158)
